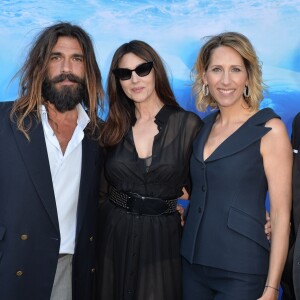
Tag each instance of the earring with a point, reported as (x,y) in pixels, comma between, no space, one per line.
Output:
(246,91)
(205,90)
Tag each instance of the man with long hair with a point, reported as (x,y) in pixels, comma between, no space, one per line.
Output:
(50,167)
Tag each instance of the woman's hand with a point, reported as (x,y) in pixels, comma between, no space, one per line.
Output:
(180,209)
(268,229)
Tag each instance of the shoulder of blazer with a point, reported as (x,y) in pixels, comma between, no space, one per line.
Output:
(6,105)
(251,131)
(262,116)
(5,109)
(258,118)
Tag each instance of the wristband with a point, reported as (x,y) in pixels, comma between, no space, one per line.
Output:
(267,286)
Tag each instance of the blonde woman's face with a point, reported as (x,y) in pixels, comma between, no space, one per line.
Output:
(226,76)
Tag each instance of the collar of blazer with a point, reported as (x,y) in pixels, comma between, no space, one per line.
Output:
(251,131)
(35,158)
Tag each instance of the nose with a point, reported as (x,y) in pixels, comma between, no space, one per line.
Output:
(66,66)
(226,78)
(134,77)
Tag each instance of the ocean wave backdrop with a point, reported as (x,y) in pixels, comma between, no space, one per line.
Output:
(175,28)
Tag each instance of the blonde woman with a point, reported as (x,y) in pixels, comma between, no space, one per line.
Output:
(242,153)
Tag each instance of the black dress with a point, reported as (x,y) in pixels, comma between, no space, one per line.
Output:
(139,255)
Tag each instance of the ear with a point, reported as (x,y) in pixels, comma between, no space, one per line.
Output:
(204,79)
(247,80)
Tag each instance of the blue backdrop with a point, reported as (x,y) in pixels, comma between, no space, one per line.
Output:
(175,28)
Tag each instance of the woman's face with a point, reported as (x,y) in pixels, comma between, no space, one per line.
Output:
(226,76)
(138,88)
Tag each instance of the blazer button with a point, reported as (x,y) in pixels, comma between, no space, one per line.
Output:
(91,238)
(199,210)
(93,270)
(203,188)
(24,237)
(19,273)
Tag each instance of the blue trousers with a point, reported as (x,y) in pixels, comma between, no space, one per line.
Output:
(207,283)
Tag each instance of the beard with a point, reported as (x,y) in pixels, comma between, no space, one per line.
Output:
(64,98)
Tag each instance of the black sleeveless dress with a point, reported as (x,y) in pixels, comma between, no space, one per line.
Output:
(139,255)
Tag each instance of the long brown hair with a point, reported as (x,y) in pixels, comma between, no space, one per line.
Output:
(121,109)
(34,71)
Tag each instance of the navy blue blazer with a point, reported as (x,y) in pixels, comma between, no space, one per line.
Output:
(225,223)
(29,229)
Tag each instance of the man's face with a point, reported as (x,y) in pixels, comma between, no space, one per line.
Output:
(64,85)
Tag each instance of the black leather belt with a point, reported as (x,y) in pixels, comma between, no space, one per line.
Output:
(140,205)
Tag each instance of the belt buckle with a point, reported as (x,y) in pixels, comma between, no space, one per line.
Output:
(134,204)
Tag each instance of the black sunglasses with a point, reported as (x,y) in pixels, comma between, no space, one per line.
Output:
(141,70)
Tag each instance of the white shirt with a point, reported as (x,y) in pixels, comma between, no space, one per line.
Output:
(66,172)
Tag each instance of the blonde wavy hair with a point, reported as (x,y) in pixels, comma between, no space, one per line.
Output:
(242,45)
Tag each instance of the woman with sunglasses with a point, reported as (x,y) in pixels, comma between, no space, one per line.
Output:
(148,139)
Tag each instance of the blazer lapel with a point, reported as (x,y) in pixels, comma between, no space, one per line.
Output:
(35,157)
(251,131)
(202,137)
(239,140)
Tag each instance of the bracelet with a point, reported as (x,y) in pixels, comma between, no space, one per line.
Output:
(267,286)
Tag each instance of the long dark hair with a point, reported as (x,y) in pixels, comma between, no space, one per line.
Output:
(121,109)
(34,71)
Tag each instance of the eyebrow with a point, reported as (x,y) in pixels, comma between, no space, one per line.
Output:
(219,65)
(78,55)
(74,55)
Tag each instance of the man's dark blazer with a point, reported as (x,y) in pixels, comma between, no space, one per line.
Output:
(29,229)
(291,275)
